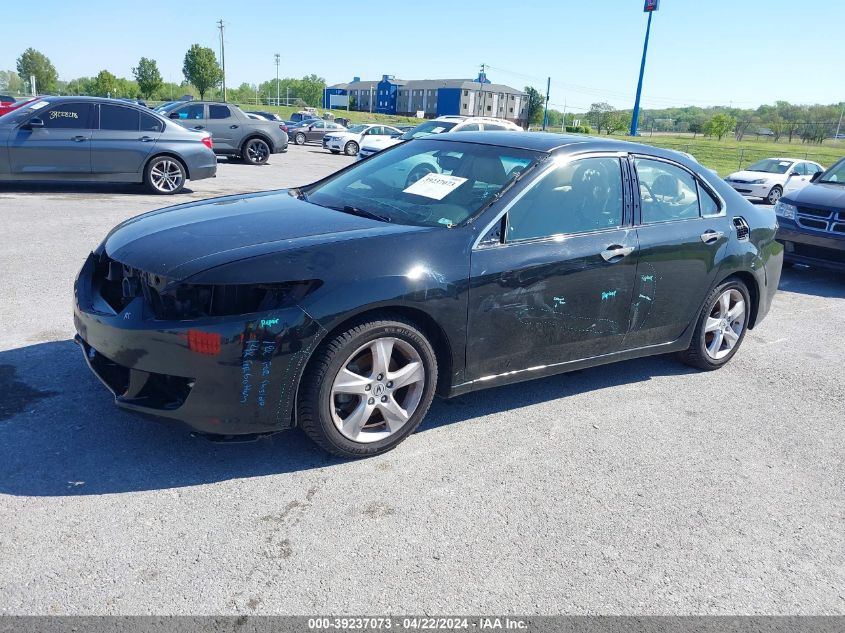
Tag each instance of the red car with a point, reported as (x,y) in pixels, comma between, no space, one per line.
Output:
(7,104)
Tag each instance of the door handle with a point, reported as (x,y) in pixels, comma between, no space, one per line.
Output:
(616,250)
(146,139)
(198,127)
(78,139)
(233,127)
(710,236)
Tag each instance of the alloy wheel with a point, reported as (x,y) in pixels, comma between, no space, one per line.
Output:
(257,151)
(377,390)
(166,175)
(725,324)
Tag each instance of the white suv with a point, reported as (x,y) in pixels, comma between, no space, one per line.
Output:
(448,123)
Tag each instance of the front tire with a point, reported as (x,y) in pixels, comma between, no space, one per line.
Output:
(721,326)
(299,138)
(165,175)
(774,194)
(368,388)
(351,148)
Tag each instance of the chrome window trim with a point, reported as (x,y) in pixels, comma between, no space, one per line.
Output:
(554,163)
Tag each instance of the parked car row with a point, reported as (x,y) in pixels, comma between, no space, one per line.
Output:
(770,178)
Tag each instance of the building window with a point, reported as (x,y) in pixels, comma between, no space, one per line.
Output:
(466,93)
(465,106)
(488,108)
(511,110)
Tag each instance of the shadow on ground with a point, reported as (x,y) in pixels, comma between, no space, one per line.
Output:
(60,433)
(83,188)
(813,281)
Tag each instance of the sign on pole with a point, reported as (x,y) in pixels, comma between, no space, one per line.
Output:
(651,5)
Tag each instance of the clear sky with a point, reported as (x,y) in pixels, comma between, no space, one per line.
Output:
(702,52)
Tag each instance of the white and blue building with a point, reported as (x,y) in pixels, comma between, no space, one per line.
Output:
(430,98)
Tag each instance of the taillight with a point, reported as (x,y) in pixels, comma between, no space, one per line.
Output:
(283,128)
(206,140)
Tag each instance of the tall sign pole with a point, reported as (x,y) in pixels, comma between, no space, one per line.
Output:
(278,57)
(546,111)
(650,7)
(222,57)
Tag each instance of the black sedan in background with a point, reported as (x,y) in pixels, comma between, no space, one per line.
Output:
(344,306)
(311,131)
(103,140)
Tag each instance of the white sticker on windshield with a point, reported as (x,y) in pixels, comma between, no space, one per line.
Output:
(784,163)
(435,186)
(437,130)
(38,104)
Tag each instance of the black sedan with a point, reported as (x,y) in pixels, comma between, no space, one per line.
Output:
(440,266)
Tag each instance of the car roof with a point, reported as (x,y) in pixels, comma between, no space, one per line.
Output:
(549,142)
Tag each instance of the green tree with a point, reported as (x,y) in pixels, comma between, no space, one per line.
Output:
(36,63)
(105,85)
(720,125)
(148,77)
(616,121)
(10,83)
(201,69)
(535,105)
(696,127)
(600,115)
(310,89)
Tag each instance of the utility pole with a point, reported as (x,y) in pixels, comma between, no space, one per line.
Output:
(563,122)
(222,57)
(839,125)
(650,7)
(481,90)
(546,110)
(278,57)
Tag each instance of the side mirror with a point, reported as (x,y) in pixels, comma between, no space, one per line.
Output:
(793,173)
(816,176)
(34,122)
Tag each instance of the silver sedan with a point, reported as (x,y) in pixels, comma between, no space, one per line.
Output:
(102,140)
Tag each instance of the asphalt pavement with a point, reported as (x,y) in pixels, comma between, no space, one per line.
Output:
(643,487)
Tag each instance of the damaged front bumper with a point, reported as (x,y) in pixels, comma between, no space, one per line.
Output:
(221,376)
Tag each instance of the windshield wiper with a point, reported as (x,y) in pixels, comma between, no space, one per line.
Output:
(832,182)
(362,213)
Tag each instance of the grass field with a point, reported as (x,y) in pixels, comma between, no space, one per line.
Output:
(728,155)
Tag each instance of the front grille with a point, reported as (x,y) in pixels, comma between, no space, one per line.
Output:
(820,219)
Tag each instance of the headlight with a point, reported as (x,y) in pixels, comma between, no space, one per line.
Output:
(785,210)
(760,181)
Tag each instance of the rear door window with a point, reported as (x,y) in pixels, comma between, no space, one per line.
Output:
(667,192)
(149,123)
(118,118)
(219,112)
(68,116)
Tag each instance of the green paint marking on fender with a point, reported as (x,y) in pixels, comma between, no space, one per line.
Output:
(269,322)
(647,277)
(608,295)
(559,301)
(644,297)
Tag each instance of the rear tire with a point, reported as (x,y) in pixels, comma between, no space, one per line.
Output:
(165,175)
(368,388)
(299,138)
(255,151)
(721,326)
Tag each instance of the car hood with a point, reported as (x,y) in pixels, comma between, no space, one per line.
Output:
(755,175)
(181,241)
(820,194)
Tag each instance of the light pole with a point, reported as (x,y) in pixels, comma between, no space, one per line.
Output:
(839,125)
(278,57)
(650,7)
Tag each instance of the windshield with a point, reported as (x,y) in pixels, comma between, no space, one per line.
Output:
(770,166)
(834,174)
(429,127)
(24,112)
(357,128)
(424,183)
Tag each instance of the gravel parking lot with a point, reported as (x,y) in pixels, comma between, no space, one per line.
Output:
(643,487)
